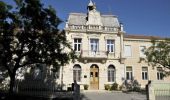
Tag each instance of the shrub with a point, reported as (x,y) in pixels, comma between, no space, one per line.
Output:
(137,89)
(120,87)
(86,87)
(114,86)
(133,85)
(107,87)
(136,86)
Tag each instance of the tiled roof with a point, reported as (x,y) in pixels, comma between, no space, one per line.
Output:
(80,19)
(141,37)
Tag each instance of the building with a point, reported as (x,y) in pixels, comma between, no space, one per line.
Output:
(107,54)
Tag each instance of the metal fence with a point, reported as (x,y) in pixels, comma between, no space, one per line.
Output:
(159,90)
(162,94)
(38,88)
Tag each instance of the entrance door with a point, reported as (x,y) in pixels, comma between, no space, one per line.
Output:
(94,77)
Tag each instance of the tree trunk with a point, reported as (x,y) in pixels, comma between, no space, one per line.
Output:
(12,83)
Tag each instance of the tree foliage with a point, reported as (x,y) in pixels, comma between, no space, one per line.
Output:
(30,35)
(158,54)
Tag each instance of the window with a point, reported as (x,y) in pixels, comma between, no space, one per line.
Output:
(96,74)
(128,51)
(129,74)
(77,45)
(94,44)
(144,73)
(111,73)
(110,45)
(159,73)
(142,48)
(77,73)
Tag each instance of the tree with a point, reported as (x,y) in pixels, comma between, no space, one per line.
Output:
(29,35)
(158,54)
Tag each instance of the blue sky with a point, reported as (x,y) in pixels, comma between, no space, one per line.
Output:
(141,17)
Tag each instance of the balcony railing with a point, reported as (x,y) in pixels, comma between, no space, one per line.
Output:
(94,54)
(93,28)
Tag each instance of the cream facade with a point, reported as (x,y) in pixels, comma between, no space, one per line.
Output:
(106,53)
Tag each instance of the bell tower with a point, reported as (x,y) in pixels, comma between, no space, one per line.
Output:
(93,16)
(90,6)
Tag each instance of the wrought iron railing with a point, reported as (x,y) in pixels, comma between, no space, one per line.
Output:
(94,54)
(38,88)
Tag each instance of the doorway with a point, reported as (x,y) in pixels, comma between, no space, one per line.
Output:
(94,77)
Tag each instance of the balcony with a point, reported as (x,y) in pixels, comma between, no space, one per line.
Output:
(94,54)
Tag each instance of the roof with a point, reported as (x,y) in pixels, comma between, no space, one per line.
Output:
(80,19)
(77,18)
(141,37)
(110,20)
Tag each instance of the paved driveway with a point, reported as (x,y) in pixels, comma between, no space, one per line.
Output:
(98,95)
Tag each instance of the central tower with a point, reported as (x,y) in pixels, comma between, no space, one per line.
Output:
(93,16)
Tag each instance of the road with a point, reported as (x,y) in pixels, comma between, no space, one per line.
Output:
(112,96)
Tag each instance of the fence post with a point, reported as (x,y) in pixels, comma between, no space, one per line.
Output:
(151,91)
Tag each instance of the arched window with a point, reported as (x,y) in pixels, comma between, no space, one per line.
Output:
(111,73)
(77,73)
